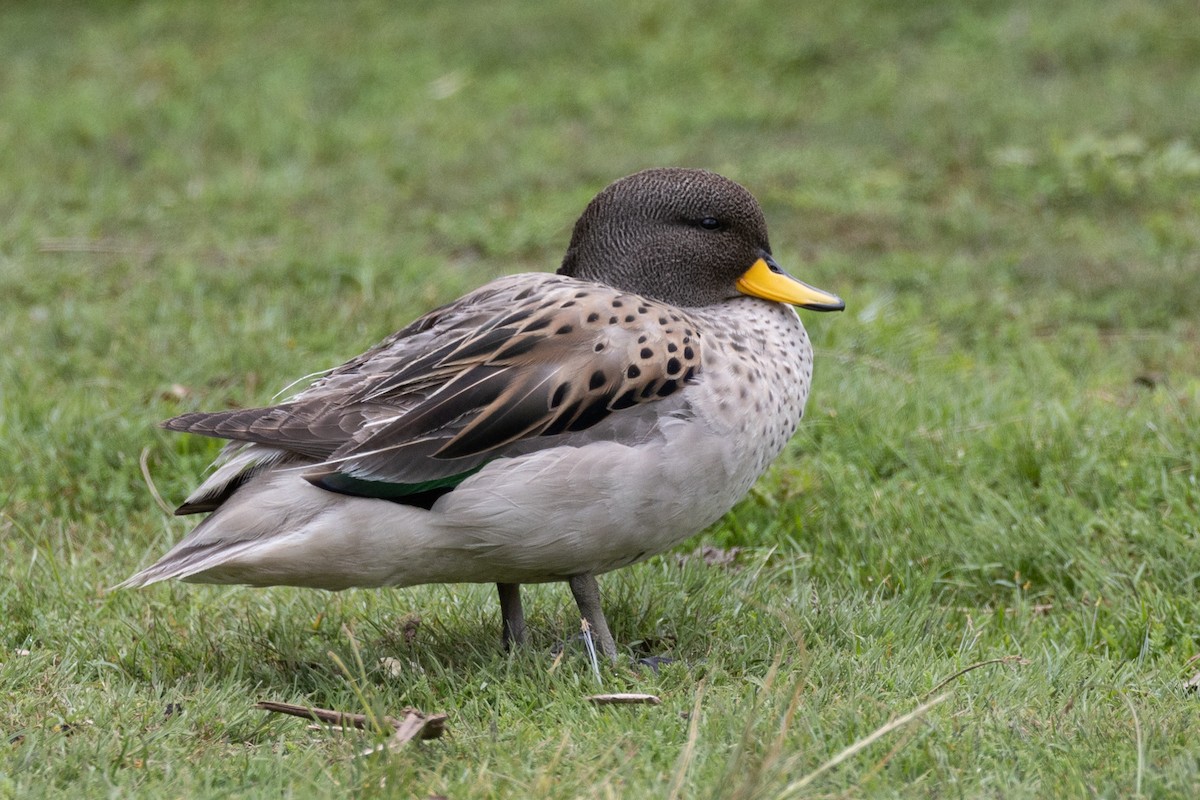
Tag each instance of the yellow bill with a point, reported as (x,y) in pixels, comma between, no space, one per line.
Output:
(767,280)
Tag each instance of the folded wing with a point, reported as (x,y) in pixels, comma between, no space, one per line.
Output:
(525,361)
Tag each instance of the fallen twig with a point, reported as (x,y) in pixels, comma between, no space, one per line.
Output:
(414,725)
(624,698)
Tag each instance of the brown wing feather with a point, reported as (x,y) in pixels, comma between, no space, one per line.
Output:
(458,387)
(561,367)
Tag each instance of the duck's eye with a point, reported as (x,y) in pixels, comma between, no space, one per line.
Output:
(710,223)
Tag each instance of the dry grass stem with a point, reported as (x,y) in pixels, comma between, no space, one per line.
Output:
(791,789)
(689,747)
(1013,659)
(144,463)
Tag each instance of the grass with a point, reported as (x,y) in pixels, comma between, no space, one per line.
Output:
(998,466)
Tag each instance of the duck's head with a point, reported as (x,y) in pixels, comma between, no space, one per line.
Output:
(688,237)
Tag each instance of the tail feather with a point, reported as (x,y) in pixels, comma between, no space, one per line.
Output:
(238,543)
(222,424)
(184,562)
(275,426)
(238,463)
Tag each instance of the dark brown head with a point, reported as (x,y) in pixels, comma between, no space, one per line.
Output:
(684,236)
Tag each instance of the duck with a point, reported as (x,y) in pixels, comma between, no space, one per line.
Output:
(545,427)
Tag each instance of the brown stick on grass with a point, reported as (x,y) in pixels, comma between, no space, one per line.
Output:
(414,724)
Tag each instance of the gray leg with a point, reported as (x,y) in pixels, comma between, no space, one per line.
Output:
(587,597)
(514,616)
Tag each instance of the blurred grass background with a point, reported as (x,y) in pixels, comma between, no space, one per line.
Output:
(201,202)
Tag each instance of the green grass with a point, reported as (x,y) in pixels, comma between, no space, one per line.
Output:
(1000,460)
